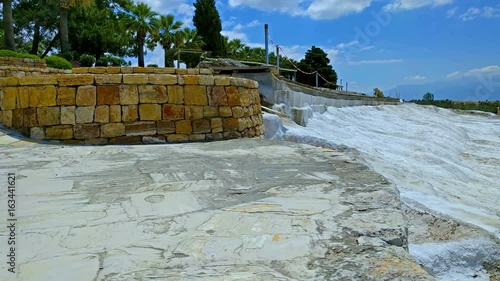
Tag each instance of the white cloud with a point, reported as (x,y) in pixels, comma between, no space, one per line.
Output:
(491,12)
(254,23)
(454,75)
(451,12)
(332,9)
(399,5)
(363,62)
(470,14)
(348,44)
(235,34)
(487,70)
(416,77)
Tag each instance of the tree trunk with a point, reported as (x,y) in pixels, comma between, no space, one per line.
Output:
(63,29)
(51,45)
(140,55)
(8,25)
(166,57)
(36,39)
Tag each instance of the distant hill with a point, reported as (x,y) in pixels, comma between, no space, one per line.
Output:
(463,89)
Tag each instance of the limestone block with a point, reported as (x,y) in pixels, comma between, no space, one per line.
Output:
(101,114)
(251,84)
(210,111)
(113,70)
(206,80)
(193,71)
(152,94)
(38,80)
(225,111)
(127,70)
(162,79)
(7,118)
(246,111)
(42,96)
(222,81)
(206,71)
(173,112)
(215,123)
(80,70)
(164,70)
(62,132)
(125,139)
(183,127)
(18,118)
(246,98)
(256,95)
(97,70)
(193,112)
(112,130)
(197,137)
(141,69)
(195,95)
(108,95)
(230,124)
(217,96)
(165,127)
(48,116)
(129,94)
(177,138)
(101,79)
(232,135)
(68,115)
(86,131)
(214,136)
(86,95)
(149,112)
(130,113)
(23,97)
(201,126)
(238,82)
(242,124)
(238,112)
(85,114)
(37,133)
(115,113)
(96,141)
(190,79)
(175,94)
(9,97)
(135,78)
(233,98)
(66,96)
(181,71)
(75,79)
(141,128)
(9,81)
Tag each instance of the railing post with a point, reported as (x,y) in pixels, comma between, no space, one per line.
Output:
(266,29)
(179,59)
(317,82)
(278,59)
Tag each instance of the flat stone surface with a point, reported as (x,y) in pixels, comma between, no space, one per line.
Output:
(247,209)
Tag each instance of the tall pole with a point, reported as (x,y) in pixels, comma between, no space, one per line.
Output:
(346,85)
(317,84)
(341,85)
(278,58)
(266,29)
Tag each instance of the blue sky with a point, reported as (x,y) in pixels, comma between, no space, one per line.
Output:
(371,43)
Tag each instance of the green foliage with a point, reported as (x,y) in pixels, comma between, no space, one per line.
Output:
(58,62)
(378,93)
(67,56)
(486,106)
(152,65)
(428,97)
(110,61)
(207,21)
(87,60)
(12,54)
(317,60)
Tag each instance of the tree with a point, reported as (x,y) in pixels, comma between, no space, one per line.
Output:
(317,60)
(168,30)
(378,93)
(64,6)
(428,97)
(191,41)
(207,21)
(8,25)
(143,21)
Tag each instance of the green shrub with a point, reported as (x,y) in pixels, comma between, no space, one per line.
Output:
(110,61)
(66,56)
(58,62)
(12,54)
(152,65)
(87,60)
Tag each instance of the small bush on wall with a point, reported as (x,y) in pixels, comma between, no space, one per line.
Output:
(12,54)
(87,60)
(58,62)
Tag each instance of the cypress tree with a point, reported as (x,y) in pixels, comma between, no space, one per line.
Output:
(207,21)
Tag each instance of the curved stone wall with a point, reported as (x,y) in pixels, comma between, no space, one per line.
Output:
(131,108)
(26,67)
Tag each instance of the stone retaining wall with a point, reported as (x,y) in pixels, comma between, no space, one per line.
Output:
(131,108)
(26,67)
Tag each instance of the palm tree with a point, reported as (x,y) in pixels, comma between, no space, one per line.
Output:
(143,21)
(234,48)
(8,25)
(189,39)
(64,6)
(168,31)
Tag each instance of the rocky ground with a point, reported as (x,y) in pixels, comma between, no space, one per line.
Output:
(230,210)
